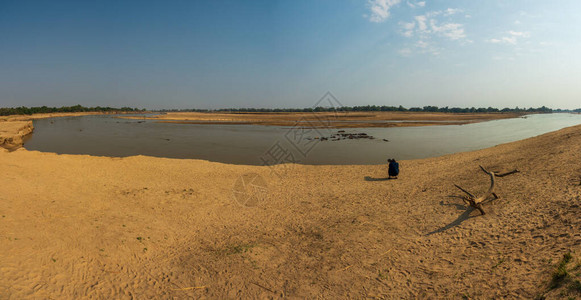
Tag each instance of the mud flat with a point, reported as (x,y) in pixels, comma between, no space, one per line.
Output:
(76,226)
(330,119)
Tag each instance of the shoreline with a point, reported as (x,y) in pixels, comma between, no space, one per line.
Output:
(157,227)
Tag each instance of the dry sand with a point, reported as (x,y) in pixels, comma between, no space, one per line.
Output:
(330,119)
(13,132)
(76,226)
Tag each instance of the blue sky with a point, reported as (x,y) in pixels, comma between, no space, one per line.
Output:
(213,54)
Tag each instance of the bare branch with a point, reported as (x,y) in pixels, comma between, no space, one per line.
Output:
(479,208)
(477,202)
(465,191)
(483,169)
(507,173)
(490,189)
(499,175)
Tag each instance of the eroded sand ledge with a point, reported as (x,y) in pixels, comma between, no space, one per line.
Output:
(76,226)
(13,132)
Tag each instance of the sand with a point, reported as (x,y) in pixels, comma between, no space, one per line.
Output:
(76,226)
(12,133)
(329,119)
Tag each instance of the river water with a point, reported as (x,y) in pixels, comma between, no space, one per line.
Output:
(257,145)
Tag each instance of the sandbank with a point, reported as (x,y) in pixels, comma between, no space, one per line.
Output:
(329,119)
(78,226)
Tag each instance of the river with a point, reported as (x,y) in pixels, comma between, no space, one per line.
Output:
(106,135)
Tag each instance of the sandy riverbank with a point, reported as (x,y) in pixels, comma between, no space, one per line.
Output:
(328,119)
(75,226)
(13,132)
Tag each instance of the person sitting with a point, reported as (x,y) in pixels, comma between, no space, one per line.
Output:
(393,169)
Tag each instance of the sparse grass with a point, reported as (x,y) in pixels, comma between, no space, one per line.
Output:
(561,272)
(381,275)
(575,286)
(318,235)
(237,249)
(254,264)
(562,275)
(498,263)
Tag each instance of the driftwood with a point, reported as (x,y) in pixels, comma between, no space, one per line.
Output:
(476,202)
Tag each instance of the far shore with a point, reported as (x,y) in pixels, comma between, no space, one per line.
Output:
(56,115)
(329,119)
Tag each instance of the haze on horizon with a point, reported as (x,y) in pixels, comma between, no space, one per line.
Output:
(217,54)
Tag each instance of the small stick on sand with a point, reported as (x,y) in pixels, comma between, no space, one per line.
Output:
(258,285)
(384,253)
(191,288)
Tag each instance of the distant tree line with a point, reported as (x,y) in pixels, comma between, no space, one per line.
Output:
(578,110)
(77,108)
(542,109)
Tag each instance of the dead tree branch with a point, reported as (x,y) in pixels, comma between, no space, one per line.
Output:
(476,202)
(496,174)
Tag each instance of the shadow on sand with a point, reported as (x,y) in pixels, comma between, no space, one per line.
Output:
(369,178)
(458,206)
(463,217)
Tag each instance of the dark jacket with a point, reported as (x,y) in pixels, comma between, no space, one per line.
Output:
(393,168)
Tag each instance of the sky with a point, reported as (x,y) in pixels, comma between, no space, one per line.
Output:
(289,54)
